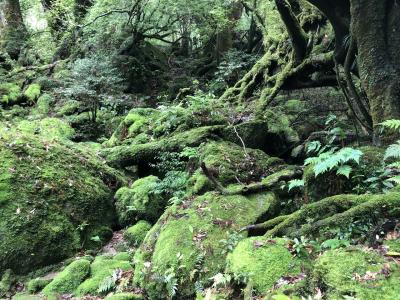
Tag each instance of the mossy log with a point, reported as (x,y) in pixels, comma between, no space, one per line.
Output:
(336,211)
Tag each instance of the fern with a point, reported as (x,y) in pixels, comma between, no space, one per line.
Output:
(393,151)
(391,124)
(295,183)
(338,160)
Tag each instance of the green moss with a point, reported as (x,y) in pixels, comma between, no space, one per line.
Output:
(231,163)
(102,268)
(42,106)
(337,271)
(51,128)
(36,285)
(53,195)
(32,93)
(139,201)
(9,93)
(69,279)
(187,240)
(24,296)
(262,262)
(124,296)
(6,282)
(68,108)
(135,235)
(393,245)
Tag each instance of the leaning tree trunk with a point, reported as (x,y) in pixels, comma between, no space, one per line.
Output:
(14,32)
(376,29)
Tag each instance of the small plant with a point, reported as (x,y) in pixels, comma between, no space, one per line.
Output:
(110,283)
(231,241)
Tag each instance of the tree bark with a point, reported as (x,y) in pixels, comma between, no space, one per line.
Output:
(14,28)
(376,28)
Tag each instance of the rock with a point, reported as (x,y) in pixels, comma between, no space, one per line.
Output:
(261,262)
(135,234)
(69,279)
(139,201)
(362,274)
(190,241)
(53,195)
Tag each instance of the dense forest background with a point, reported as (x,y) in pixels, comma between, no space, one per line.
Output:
(210,149)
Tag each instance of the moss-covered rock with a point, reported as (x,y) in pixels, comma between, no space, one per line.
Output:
(261,262)
(53,194)
(51,128)
(6,283)
(100,270)
(9,93)
(357,273)
(69,279)
(135,234)
(140,201)
(124,296)
(32,93)
(230,163)
(68,108)
(190,241)
(36,285)
(42,106)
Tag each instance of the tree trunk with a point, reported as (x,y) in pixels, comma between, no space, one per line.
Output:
(14,28)
(376,28)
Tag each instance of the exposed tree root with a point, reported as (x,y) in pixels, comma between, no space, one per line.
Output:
(336,211)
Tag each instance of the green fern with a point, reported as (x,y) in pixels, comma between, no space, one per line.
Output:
(295,183)
(335,160)
(391,124)
(393,151)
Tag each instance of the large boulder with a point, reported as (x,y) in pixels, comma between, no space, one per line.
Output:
(188,245)
(55,195)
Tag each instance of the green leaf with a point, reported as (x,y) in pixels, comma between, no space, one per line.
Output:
(295,183)
(344,170)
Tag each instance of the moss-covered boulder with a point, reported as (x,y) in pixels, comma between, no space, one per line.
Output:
(124,296)
(357,273)
(231,163)
(54,194)
(261,262)
(37,284)
(9,93)
(42,106)
(32,93)
(135,234)
(101,270)
(69,279)
(140,201)
(190,241)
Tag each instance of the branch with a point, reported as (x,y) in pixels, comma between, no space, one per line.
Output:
(34,68)
(212,179)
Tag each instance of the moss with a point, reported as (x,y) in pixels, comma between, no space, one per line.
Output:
(51,128)
(135,235)
(36,285)
(6,283)
(262,134)
(97,237)
(9,93)
(69,279)
(231,164)
(393,245)
(68,108)
(32,93)
(262,262)
(42,106)
(53,194)
(336,270)
(128,155)
(101,268)
(24,296)
(139,201)
(187,240)
(124,296)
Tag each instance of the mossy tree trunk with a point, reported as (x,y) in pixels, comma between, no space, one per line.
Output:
(376,28)
(15,32)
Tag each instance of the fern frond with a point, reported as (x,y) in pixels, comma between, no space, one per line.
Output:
(344,171)
(391,124)
(393,151)
(295,183)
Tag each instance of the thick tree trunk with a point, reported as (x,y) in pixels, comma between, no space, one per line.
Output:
(14,29)
(376,28)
